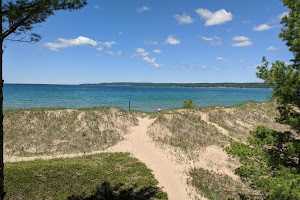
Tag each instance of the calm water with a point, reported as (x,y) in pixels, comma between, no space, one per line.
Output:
(148,99)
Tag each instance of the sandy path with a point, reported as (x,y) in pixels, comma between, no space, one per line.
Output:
(170,174)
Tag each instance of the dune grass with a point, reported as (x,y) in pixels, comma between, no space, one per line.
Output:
(241,119)
(55,131)
(185,129)
(103,176)
(217,186)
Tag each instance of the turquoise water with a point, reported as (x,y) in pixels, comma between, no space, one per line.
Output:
(147,99)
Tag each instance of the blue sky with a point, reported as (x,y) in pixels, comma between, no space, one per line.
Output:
(151,41)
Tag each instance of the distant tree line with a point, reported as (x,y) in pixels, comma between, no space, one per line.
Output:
(225,85)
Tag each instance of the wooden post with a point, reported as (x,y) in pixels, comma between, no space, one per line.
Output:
(129,105)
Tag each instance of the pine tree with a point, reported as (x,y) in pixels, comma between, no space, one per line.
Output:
(270,159)
(18,18)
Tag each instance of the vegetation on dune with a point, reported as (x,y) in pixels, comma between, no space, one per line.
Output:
(218,186)
(185,129)
(103,176)
(53,131)
(270,159)
(188,104)
(47,131)
(240,119)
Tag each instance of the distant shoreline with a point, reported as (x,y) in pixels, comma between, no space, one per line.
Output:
(199,85)
(204,85)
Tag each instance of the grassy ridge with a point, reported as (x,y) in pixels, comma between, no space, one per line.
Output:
(50,131)
(217,186)
(103,176)
(185,129)
(240,119)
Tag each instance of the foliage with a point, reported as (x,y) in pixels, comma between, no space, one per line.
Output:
(286,80)
(101,176)
(21,16)
(188,104)
(291,32)
(270,159)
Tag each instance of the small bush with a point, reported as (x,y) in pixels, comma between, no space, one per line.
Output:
(188,104)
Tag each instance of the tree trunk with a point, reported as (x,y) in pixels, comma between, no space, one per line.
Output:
(2,193)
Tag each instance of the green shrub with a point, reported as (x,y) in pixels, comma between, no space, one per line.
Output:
(188,104)
(97,177)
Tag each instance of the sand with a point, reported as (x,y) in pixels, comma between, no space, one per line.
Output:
(170,174)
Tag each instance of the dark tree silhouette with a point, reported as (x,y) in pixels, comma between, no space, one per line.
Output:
(18,18)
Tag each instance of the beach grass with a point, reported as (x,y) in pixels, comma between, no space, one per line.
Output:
(102,176)
(239,120)
(217,186)
(184,129)
(61,131)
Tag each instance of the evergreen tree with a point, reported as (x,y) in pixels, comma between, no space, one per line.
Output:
(270,159)
(18,18)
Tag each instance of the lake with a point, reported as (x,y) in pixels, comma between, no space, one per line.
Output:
(147,99)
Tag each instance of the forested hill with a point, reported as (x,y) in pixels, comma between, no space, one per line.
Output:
(227,85)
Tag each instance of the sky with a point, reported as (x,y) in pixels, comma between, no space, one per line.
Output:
(161,41)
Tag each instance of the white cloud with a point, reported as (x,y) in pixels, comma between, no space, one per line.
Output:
(183,18)
(262,27)
(253,66)
(243,60)
(243,44)
(100,48)
(221,59)
(120,33)
(207,38)
(271,48)
(280,16)
(99,54)
(240,38)
(242,41)
(172,41)
(214,18)
(213,40)
(108,44)
(149,42)
(142,9)
(152,61)
(96,6)
(157,51)
(118,53)
(64,43)
(140,52)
